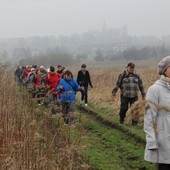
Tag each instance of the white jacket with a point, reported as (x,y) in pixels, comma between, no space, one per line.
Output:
(157,114)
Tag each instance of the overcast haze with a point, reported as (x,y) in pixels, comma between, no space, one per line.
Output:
(23,18)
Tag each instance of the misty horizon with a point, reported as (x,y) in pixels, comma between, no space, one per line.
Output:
(28,18)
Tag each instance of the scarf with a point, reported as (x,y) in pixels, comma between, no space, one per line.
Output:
(167,80)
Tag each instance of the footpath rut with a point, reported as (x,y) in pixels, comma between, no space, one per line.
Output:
(112,146)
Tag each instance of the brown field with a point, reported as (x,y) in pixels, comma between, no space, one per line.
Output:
(104,79)
(23,143)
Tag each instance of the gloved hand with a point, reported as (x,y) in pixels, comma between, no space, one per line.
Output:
(113,97)
(82,88)
(61,87)
(143,97)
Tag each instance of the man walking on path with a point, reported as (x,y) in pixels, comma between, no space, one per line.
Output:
(83,79)
(129,83)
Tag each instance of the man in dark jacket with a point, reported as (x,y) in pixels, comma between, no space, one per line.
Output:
(83,79)
(129,83)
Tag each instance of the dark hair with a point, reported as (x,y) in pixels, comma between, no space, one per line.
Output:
(68,72)
(83,66)
(34,66)
(52,68)
(131,64)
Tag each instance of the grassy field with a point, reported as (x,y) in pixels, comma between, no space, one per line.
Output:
(105,125)
(31,138)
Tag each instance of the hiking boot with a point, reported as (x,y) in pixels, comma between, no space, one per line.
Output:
(121,120)
(134,122)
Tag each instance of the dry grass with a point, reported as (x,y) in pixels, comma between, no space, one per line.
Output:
(30,138)
(104,79)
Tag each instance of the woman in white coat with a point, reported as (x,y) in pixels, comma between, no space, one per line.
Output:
(157,118)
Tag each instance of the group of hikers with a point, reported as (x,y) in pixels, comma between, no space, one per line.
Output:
(59,85)
(63,86)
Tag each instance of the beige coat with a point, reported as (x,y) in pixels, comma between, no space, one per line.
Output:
(157,123)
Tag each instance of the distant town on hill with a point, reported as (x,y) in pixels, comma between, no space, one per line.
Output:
(100,45)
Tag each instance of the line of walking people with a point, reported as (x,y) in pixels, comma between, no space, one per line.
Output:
(60,86)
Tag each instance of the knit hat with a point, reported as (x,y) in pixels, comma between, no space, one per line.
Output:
(32,69)
(41,67)
(163,65)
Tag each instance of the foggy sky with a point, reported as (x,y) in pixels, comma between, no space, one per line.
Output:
(23,18)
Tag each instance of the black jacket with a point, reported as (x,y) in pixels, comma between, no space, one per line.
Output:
(83,79)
